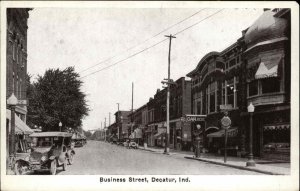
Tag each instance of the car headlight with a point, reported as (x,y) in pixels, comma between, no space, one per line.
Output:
(43,158)
(27,158)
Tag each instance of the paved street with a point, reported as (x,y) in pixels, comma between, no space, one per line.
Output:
(104,158)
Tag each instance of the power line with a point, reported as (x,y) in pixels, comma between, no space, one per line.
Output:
(150,46)
(123,59)
(199,22)
(143,41)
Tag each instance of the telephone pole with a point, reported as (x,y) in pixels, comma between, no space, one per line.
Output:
(105,129)
(131,128)
(109,119)
(118,121)
(169,82)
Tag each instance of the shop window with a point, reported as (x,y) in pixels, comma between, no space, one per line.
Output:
(253,88)
(198,107)
(270,85)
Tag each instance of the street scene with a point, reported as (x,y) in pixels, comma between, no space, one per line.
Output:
(137,91)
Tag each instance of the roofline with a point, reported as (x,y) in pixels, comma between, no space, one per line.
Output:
(212,53)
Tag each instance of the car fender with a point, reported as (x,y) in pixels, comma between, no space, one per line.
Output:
(23,162)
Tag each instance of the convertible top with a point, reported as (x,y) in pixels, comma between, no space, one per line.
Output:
(51,134)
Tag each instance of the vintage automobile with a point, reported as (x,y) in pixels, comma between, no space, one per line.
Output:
(49,151)
(133,144)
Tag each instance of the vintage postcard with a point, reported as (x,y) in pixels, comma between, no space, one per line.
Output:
(149,95)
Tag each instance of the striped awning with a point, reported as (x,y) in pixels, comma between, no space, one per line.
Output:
(276,127)
(161,131)
(268,68)
(230,133)
(21,127)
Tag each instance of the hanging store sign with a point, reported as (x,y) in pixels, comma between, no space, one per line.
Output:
(193,118)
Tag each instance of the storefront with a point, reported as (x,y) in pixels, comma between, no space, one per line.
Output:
(21,133)
(216,141)
(191,124)
(276,141)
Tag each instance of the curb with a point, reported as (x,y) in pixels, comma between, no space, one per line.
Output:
(235,166)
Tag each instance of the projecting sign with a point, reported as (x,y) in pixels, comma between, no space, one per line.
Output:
(226,107)
(192,118)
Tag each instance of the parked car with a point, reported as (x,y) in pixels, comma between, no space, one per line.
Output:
(51,150)
(133,144)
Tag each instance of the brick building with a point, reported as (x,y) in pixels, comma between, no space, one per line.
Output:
(255,69)
(180,105)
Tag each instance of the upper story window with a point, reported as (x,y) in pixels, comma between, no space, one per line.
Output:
(232,62)
(270,85)
(229,92)
(212,97)
(14,50)
(253,88)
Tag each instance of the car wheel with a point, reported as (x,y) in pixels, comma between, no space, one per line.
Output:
(65,165)
(18,170)
(53,167)
(70,160)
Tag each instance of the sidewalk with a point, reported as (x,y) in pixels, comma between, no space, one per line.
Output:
(262,166)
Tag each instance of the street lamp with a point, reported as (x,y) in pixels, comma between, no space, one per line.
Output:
(60,125)
(12,101)
(250,161)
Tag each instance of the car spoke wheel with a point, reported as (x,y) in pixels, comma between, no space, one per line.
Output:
(53,167)
(70,160)
(18,168)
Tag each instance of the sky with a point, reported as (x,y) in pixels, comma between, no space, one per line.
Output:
(110,38)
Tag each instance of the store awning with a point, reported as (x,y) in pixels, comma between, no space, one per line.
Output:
(138,133)
(21,127)
(268,68)
(277,127)
(161,132)
(230,133)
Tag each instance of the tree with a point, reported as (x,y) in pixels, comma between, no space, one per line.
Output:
(56,97)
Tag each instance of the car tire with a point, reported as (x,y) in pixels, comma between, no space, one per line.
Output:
(70,159)
(64,165)
(53,167)
(18,168)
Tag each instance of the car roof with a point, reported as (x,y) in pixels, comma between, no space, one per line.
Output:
(51,134)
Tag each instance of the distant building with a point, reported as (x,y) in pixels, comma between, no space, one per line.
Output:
(122,121)
(138,122)
(180,105)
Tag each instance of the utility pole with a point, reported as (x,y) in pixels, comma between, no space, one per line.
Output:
(118,120)
(131,128)
(169,81)
(105,129)
(109,119)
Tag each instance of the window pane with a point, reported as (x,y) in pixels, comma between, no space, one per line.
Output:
(253,88)
(270,85)
(212,102)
